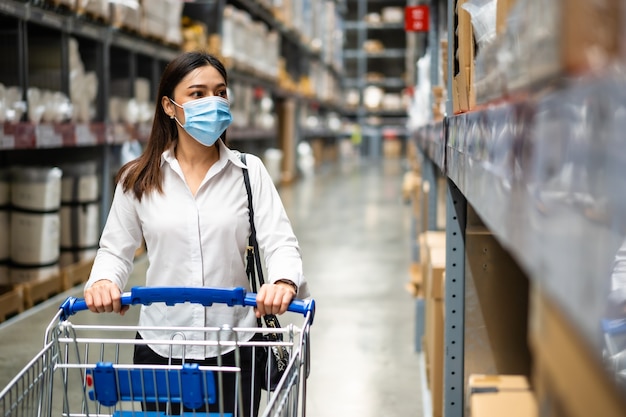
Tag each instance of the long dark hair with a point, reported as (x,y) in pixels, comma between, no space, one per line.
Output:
(143,175)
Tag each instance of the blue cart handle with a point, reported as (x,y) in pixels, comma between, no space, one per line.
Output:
(178,295)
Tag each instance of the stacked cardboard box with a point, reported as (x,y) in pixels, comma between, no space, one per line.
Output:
(161,19)
(127,16)
(567,376)
(433,261)
(463,94)
(500,395)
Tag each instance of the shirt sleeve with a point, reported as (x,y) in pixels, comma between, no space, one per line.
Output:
(121,237)
(275,235)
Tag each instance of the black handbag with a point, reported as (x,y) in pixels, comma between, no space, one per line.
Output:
(271,360)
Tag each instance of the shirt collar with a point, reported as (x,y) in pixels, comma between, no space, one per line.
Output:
(226,155)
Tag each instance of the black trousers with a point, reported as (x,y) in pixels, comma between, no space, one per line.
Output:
(143,355)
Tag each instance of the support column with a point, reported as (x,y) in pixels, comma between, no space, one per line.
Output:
(454,321)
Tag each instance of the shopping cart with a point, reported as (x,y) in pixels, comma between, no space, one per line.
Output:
(88,370)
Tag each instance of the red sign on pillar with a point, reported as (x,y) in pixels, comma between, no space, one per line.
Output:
(416,18)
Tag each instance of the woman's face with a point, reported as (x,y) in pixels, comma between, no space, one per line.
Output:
(202,82)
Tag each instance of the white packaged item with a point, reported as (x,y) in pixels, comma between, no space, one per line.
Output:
(80,211)
(97,8)
(34,238)
(392,14)
(35,223)
(36,188)
(372,97)
(228,31)
(79,229)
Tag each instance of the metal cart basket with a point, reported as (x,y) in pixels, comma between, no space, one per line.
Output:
(88,370)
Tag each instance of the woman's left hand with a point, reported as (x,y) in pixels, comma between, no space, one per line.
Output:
(274,298)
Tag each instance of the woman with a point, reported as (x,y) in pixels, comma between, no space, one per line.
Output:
(185,197)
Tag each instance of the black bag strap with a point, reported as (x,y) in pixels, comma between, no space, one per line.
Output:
(253,244)
(253,256)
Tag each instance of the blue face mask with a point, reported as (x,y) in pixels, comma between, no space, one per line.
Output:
(206,118)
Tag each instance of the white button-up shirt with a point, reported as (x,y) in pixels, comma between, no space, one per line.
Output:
(199,241)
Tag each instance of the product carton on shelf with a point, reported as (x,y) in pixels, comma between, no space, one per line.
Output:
(127,16)
(161,19)
(503,8)
(97,9)
(499,395)
(550,39)
(496,305)
(569,377)
(433,261)
(392,14)
(373,46)
(464,80)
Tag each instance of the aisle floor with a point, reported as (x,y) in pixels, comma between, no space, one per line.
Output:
(353,229)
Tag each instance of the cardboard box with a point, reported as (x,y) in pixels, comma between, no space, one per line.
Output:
(568,372)
(500,395)
(496,308)
(436,271)
(503,7)
(506,403)
(589,33)
(434,349)
(432,247)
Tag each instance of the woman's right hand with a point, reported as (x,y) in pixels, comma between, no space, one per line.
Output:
(104,297)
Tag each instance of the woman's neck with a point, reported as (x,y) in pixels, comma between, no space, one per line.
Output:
(196,155)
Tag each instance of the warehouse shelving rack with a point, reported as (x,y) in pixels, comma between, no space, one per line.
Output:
(299,55)
(33,27)
(393,63)
(116,53)
(537,180)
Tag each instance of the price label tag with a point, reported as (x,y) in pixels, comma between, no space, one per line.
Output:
(84,135)
(416,18)
(46,137)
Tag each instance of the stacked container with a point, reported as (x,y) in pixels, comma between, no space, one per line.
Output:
(35,223)
(80,211)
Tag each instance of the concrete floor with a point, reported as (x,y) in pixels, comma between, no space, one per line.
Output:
(353,230)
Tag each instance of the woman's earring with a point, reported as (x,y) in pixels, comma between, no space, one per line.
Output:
(172,117)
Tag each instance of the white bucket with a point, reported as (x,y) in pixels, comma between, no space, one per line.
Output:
(34,238)
(36,189)
(35,223)
(80,212)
